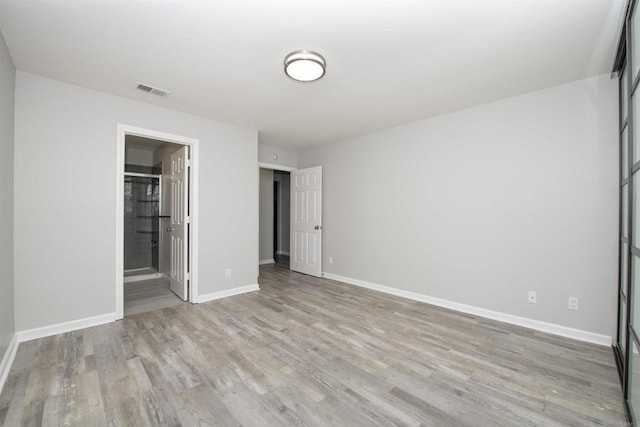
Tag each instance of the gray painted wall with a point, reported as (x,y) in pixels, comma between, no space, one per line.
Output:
(482,205)
(65,234)
(266,214)
(138,156)
(7,92)
(285,158)
(284,210)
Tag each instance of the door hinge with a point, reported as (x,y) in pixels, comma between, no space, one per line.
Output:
(188,276)
(187,162)
(187,220)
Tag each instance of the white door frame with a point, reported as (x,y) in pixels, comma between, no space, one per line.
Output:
(193,143)
(276,167)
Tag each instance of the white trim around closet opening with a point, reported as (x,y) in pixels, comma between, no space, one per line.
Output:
(122,131)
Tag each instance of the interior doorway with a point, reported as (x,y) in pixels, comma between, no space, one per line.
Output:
(156,242)
(281,217)
(274,213)
(304,198)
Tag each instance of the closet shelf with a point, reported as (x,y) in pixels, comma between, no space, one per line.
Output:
(147,231)
(147,201)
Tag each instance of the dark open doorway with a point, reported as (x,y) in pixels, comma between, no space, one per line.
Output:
(281,214)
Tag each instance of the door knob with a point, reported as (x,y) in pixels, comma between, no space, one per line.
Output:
(317,227)
(169,229)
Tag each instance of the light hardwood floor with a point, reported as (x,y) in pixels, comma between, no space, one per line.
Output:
(148,295)
(308,351)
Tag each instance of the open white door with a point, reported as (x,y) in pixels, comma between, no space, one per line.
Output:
(306,221)
(178,225)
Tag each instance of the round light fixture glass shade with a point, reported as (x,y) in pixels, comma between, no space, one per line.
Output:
(304,65)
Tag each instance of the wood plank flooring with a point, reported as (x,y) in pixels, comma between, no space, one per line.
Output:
(140,271)
(307,351)
(148,295)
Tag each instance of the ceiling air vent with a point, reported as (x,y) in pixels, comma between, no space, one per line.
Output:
(153,90)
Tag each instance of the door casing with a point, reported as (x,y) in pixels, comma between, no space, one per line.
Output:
(122,131)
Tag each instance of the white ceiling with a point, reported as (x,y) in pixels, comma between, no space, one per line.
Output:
(388,62)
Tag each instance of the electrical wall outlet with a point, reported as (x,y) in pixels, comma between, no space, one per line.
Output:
(532,297)
(573,303)
(330,260)
(227,273)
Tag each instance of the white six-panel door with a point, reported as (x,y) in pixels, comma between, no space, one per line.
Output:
(306,221)
(179,221)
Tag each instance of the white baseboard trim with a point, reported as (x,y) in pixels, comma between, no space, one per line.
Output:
(7,360)
(282,253)
(228,293)
(550,328)
(60,328)
(267,261)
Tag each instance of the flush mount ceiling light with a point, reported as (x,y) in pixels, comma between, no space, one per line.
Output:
(304,65)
